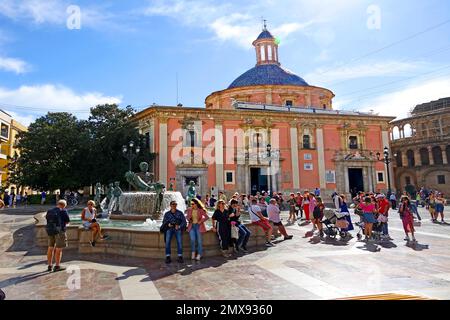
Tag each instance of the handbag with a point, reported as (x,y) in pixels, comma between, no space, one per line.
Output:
(382,218)
(234,232)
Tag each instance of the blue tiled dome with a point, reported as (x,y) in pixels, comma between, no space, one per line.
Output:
(265,35)
(268,74)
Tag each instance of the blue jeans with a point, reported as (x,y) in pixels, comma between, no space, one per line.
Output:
(169,234)
(244,235)
(385,229)
(415,211)
(195,235)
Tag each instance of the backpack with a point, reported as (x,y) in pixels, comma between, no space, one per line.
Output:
(53,226)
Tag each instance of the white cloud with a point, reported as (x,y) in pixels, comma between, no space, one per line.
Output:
(229,22)
(13,65)
(37,11)
(391,68)
(55,12)
(40,99)
(400,103)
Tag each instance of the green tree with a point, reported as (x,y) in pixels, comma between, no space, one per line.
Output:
(61,152)
(111,128)
(50,152)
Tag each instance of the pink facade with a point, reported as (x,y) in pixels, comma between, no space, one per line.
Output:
(224,145)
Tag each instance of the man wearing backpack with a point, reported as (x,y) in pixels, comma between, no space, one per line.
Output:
(57,219)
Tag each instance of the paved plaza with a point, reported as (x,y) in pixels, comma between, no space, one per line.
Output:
(303,268)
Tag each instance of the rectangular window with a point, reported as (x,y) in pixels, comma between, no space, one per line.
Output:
(408,180)
(308,166)
(353,142)
(147,140)
(441,179)
(307,156)
(229,177)
(380,176)
(4,132)
(306,142)
(289,103)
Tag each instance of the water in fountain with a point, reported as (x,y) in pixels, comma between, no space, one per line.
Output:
(149,224)
(144,203)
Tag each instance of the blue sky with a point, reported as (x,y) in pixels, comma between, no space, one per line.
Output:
(385,56)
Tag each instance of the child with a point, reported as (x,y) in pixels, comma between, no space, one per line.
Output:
(318,215)
(292,203)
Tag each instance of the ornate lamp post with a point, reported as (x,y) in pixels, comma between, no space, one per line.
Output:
(387,160)
(269,173)
(130,152)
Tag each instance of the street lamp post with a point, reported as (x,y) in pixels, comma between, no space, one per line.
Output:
(386,160)
(130,153)
(269,173)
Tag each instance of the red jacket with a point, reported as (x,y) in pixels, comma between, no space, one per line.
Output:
(202,217)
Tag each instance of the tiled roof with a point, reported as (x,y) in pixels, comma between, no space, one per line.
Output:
(268,74)
(265,35)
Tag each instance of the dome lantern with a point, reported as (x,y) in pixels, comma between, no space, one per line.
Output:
(266,48)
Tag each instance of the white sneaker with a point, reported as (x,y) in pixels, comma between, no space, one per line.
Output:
(198,258)
(269,244)
(407,239)
(193,256)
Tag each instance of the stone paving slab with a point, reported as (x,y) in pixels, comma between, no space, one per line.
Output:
(303,268)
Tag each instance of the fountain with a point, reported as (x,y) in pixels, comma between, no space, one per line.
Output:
(143,205)
(141,238)
(150,200)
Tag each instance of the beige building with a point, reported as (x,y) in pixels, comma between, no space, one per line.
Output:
(421,147)
(9,129)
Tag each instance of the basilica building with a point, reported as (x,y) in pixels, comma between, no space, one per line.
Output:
(269,130)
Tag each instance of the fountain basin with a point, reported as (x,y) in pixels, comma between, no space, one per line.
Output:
(139,243)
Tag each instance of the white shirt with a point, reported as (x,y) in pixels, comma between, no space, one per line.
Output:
(254,209)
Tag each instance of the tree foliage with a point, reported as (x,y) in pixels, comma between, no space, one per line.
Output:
(60,151)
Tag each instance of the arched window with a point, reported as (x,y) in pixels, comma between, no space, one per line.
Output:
(408,131)
(306,141)
(411,159)
(395,133)
(424,157)
(398,159)
(257,140)
(190,138)
(353,142)
(437,155)
(263,53)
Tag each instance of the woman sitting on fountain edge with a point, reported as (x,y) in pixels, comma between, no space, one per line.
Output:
(88,216)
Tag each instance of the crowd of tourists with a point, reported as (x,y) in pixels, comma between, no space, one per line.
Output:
(11,199)
(264,211)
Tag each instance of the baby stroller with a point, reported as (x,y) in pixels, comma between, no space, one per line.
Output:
(377,228)
(335,223)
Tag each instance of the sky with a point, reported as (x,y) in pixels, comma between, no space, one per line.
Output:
(58,55)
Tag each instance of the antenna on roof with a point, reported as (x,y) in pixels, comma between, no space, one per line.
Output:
(264,22)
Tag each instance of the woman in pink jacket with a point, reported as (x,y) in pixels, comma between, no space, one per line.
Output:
(196,216)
